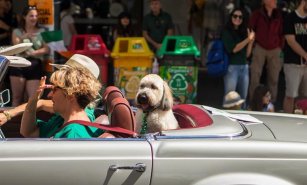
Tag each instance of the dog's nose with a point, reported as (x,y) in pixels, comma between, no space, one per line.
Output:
(142,99)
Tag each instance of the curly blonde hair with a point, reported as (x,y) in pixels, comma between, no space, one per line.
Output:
(77,82)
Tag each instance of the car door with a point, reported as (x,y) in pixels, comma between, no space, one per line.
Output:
(100,161)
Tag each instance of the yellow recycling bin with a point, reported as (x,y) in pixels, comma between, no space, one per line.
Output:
(132,61)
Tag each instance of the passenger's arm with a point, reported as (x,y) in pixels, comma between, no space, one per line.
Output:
(12,113)
(44,105)
(28,126)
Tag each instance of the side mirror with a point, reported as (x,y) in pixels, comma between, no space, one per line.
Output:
(4,97)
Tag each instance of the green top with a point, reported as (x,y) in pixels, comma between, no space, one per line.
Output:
(37,41)
(157,26)
(74,130)
(230,40)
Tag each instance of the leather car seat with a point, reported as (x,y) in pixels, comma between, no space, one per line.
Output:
(109,94)
(120,115)
(189,116)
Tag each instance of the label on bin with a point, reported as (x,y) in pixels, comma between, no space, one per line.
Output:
(183,44)
(137,46)
(93,44)
(183,82)
(128,79)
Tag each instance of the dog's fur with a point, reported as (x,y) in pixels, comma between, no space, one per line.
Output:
(154,97)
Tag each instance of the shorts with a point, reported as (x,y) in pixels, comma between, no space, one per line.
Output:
(33,72)
(296,80)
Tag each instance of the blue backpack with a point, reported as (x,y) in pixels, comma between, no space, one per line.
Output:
(217,59)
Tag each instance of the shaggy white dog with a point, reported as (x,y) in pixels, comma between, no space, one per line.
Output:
(154,101)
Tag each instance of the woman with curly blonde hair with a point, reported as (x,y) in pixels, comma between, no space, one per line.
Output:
(72,90)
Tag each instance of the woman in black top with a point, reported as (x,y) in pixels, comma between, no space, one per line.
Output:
(124,27)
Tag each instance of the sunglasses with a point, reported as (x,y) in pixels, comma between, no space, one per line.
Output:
(237,16)
(55,88)
(31,7)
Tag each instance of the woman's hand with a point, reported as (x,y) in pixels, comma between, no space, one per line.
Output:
(27,36)
(250,35)
(41,88)
(3,119)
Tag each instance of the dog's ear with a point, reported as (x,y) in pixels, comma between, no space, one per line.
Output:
(167,102)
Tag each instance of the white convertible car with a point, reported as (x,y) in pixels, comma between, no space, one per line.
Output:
(212,147)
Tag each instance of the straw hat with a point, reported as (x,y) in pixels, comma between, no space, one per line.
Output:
(232,99)
(78,60)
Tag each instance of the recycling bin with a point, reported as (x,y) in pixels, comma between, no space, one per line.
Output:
(132,60)
(178,65)
(93,47)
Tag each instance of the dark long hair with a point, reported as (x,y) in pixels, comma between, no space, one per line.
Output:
(125,31)
(65,5)
(259,93)
(242,30)
(25,12)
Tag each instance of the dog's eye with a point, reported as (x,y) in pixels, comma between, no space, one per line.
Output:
(142,86)
(153,86)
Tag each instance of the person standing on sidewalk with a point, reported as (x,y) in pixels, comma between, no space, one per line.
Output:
(267,22)
(295,69)
(238,42)
(156,25)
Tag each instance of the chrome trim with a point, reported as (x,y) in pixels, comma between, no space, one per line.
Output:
(1,134)
(244,132)
(139,167)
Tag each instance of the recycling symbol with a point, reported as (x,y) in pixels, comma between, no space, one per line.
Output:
(178,82)
(184,43)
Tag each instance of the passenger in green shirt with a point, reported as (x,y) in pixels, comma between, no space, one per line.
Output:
(52,126)
(71,92)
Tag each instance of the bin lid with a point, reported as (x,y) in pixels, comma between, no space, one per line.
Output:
(130,47)
(88,44)
(178,45)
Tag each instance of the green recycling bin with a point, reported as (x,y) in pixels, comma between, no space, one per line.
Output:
(178,65)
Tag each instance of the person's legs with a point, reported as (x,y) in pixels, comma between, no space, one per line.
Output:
(231,79)
(288,104)
(18,87)
(303,86)
(274,65)
(293,78)
(31,87)
(243,81)
(258,61)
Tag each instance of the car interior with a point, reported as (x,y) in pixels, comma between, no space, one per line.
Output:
(119,116)
(117,113)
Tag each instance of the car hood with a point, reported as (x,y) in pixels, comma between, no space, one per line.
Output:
(284,127)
